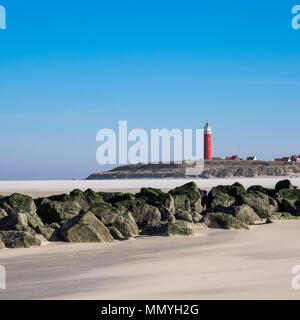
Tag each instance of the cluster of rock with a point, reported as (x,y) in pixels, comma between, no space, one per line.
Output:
(104,216)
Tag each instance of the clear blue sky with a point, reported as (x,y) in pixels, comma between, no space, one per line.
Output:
(70,68)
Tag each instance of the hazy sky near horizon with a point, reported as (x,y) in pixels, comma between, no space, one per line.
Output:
(69,69)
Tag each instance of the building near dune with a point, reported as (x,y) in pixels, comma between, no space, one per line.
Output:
(284,159)
(232,158)
(293,158)
(252,158)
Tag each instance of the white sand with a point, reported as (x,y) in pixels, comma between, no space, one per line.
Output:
(218,264)
(46,188)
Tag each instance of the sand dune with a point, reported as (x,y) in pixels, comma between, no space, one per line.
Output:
(216,264)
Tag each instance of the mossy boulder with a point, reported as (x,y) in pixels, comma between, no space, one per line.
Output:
(284,184)
(190,190)
(81,198)
(261,203)
(85,227)
(118,196)
(258,188)
(269,220)
(2,246)
(116,234)
(184,215)
(226,195)
(49,233)
(182,202)
(223,221)
(19,203)
(289,201)
(3,213)
(283,216)
(105,212)
(116,216)
(57,210)
(197,217)
(159,199)
(93,197)
(222,199)
(144,213)
(177,228)
(21,239)
(15,221)
(126,224)
(243,213)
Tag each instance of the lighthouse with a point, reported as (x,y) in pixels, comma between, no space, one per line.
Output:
(207,142)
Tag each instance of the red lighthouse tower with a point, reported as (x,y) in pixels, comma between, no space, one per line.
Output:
(207,142)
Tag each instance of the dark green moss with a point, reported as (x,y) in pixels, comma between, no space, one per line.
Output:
(227,221)
(178,229)
(189,189)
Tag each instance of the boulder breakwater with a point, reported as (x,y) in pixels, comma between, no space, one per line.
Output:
(89,216)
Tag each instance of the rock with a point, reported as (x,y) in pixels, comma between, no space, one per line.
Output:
(16,221)
(261,203)
(269,220)
(19,203)
(85,227)
(142,212)
(109,196)
(168,229)
(225,196)
(49,233)
(21,239)
(204,198)
(222,199)
(183,215)
(120,218)
(126,224)
(116,234)
(178,229)
(243,213)
(269,192)
(155,229)
(223,221)
(118,196)
(284,184)
(85,199)
(164,202)
(182,202)
(55,211)
(93,197)
(2,246)
(283,216)
(289,201)
(106,212)
(192,193)
(197,217)
(3,213)
(80,197)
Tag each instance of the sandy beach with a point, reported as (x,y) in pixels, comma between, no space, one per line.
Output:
(215,264)
(46,188)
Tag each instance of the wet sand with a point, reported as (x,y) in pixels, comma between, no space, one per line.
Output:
(215,264)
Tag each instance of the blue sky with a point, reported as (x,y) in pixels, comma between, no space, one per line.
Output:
(68,70)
